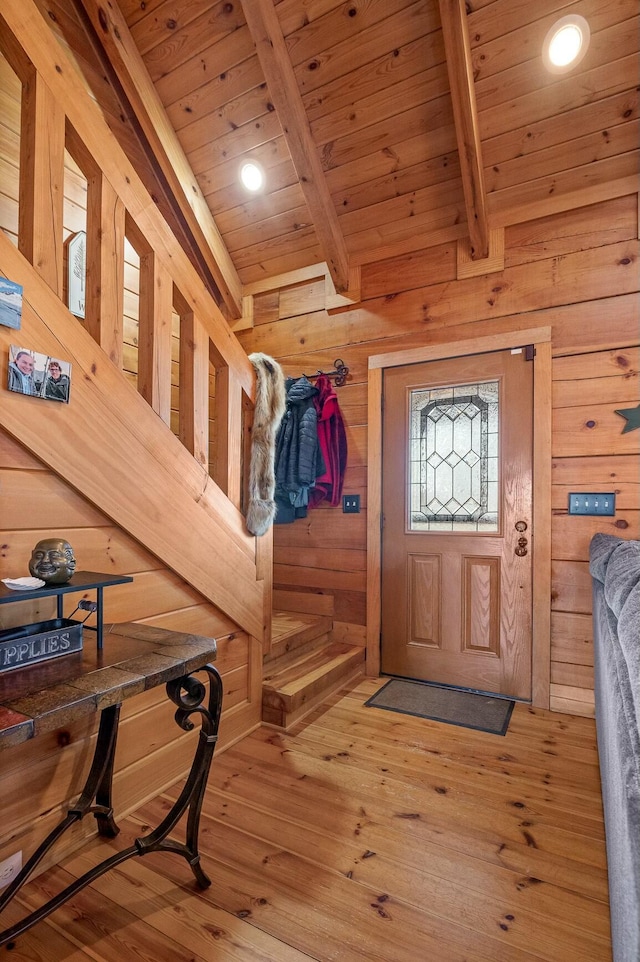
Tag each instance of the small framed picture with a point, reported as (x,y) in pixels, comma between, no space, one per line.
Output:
(38,375)
(10,303)
(77,271)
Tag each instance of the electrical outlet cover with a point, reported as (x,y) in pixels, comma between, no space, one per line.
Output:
(9,868)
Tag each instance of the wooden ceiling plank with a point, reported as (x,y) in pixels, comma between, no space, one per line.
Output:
(367,79)
(215,94)
(341,55)
(287,244)
(408,233)
(557,160)
(580,186)
(405,207)
(270,228)
(565,97)
(177,67)
(229,196)
(501,17)
(169,18)
(460,70)
(280,263)
(430,171)
(260,208)
(432,122)
(612,29)
(524,142)
(346,24)
(235,143)
(272,53)
(111,29)
(421,88)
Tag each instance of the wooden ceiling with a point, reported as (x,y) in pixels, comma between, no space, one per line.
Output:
(361,111)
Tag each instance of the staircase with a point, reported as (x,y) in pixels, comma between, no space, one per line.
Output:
(304,667)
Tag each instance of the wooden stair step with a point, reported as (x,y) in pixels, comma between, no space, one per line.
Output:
(291,691)
(293,632)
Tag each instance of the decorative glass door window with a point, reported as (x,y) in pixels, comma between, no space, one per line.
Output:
(453,458)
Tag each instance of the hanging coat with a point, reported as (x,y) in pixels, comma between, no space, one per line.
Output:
(333,445)
(298,457)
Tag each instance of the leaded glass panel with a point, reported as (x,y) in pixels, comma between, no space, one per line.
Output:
(453,458)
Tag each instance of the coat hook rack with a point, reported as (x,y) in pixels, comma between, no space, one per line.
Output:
(340,373)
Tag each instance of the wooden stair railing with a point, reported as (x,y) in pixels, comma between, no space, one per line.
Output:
(113,447)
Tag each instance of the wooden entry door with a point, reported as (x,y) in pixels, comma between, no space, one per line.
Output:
(457,512)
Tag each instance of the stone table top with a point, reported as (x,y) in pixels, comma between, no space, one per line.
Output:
(53,694)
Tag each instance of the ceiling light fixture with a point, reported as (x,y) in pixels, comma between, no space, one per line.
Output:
(566,44)
(252,176)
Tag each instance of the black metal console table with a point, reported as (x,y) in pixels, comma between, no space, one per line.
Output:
(53,694)
(80,581)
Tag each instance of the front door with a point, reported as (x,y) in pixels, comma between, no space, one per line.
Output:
(456,543)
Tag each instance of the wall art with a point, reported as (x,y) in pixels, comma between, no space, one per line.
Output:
(38,375)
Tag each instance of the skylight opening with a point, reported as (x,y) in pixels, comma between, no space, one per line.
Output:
(565,44)
(252,176)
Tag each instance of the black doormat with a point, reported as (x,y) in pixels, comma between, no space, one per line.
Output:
(468,709)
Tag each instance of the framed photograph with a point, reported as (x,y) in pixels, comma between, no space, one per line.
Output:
(10,303)
(38,375)
(77,269)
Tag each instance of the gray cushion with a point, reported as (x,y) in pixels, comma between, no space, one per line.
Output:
(615,567)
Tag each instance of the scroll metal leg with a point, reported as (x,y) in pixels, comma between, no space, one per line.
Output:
(188,694)
(97,787)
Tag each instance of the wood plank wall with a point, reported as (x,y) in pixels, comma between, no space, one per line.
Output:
(578,273)
(152,751)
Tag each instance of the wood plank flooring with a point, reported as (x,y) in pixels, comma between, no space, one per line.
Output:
(362,836)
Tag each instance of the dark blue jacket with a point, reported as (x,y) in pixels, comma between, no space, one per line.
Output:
(298,460)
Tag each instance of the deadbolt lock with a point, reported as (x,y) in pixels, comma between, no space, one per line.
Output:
(521,525)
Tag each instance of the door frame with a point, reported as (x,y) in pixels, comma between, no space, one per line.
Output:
(540,337)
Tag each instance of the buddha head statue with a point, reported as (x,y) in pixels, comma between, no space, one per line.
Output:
(53,561)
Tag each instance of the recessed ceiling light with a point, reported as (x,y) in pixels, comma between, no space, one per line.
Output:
(252,176)
(565,44)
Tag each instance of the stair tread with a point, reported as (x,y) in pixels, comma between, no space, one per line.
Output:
(299,674)
(286,625)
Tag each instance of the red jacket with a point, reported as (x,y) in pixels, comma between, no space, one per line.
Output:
(333,444)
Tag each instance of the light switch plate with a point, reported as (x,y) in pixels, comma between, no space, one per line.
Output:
(589,502)
(351,504)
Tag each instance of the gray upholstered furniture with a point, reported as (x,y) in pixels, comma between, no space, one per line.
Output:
(615,568)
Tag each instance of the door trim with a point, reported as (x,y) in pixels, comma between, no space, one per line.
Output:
(541,548)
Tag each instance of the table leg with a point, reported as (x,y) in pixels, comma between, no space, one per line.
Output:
(97,787)
(188,693)
(99,596)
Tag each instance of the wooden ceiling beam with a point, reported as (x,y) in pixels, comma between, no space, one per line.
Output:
(273,55)
(131,78)
(453,16)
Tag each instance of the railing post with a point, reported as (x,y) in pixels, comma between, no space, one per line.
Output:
(193,424)
(42,180)
(105,267)
(227,471)
(154,335)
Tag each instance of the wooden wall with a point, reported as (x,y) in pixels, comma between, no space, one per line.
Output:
(152,752)
(578,273)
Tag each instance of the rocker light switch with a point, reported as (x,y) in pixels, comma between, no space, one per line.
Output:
(590,503)
(351,504)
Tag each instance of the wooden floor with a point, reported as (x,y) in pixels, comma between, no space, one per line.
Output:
(363,835)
